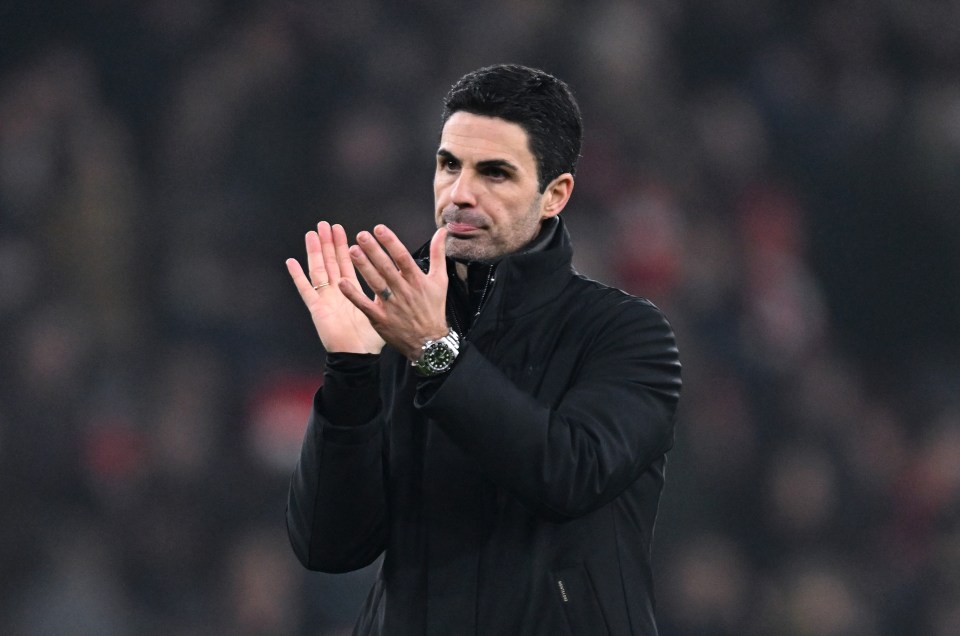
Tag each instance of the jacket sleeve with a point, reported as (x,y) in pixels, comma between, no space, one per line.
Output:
(336,507)
(568,459)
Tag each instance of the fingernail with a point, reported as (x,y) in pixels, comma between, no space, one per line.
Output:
(379,229)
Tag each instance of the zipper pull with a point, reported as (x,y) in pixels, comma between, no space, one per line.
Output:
(563,591)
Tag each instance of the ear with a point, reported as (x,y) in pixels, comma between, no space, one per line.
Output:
(556,195)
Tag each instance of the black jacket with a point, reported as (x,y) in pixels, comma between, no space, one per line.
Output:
(518,494)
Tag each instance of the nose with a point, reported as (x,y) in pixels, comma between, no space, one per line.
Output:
(463,194)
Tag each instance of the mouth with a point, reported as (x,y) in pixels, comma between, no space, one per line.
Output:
(461,230)
(463,223)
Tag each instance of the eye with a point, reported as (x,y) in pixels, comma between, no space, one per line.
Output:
(445,164)
(497,174)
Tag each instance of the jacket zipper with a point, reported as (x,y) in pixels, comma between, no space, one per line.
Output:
(483,299)
(563,591)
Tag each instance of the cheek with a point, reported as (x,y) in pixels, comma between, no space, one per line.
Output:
(519,209)
(440,190)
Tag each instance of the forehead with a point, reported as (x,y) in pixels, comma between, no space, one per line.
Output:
(480,138)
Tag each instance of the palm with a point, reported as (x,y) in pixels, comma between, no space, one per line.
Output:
(341,326)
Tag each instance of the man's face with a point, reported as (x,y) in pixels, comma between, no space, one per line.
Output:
(485,188)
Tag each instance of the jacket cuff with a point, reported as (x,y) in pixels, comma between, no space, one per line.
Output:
(350,395)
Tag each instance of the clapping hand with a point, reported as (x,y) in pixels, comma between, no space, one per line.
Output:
(342,327)
(409,307)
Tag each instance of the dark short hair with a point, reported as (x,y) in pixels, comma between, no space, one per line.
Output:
(539,102)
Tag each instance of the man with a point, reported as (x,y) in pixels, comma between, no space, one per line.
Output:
(491,422)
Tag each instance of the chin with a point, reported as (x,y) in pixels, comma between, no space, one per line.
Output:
(467,250)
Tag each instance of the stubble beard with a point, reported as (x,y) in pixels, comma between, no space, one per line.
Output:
(488,248)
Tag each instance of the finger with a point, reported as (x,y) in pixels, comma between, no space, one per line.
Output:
(371,274)
(356,296)
(377,258)
(328,251)
(300,280)
(397,250)
(318,273)
(438,255)
(342,253)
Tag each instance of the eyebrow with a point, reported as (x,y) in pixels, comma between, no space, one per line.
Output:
(502,164)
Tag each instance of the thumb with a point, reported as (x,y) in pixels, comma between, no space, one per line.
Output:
(438,254)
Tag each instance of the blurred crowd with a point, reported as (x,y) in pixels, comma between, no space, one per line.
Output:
(781,178)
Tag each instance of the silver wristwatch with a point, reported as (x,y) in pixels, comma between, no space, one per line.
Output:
(437,356)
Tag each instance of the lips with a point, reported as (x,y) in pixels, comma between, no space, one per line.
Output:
(461,228)
(463,222)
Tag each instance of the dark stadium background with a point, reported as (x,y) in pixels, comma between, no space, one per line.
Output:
(781,178)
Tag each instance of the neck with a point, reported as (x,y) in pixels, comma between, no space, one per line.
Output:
(461,270)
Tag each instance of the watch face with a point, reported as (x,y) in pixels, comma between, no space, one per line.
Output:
(438,356)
